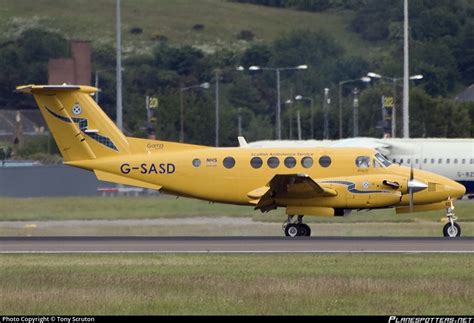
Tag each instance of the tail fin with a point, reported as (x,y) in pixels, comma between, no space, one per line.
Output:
(79,126)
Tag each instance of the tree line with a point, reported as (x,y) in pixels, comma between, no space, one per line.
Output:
(251,95)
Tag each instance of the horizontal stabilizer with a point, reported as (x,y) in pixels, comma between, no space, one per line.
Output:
(113,178)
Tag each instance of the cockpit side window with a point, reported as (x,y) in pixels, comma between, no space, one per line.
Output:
(382,159)
(362,162)
(377,164)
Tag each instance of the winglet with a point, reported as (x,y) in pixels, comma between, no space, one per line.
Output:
(242,141)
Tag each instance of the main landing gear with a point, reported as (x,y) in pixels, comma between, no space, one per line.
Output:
(297,228)
(451,229)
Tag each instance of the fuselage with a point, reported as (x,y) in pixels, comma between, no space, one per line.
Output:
(228,174)
(453,158)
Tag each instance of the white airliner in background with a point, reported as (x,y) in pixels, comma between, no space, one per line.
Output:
(453,158)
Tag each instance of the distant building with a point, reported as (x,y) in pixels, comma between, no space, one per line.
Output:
(467,95)
(72,70)
(30,122)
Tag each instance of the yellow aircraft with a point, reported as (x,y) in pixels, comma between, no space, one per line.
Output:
(305,181)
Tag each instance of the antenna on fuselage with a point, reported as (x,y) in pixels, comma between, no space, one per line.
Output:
(242,141)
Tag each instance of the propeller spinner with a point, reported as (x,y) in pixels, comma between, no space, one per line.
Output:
(414,186)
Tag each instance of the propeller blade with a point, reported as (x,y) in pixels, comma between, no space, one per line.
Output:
(411,185)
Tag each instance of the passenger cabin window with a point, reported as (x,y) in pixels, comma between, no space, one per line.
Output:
(455,160)
(408,161)
(307,162)
(362,162)
(472,161)
(382,160)
(196,162)
(273,162)
(432,160)
(401,160)
(463,160)
(290,162)
(440,161)
(447,160)
(229,162)
(416,161)
(324,161)
(425,160)
(256,162)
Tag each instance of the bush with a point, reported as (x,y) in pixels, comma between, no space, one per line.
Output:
(136,30)
(198,27)
(246,35)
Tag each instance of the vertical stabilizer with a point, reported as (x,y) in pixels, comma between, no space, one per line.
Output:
(79,126)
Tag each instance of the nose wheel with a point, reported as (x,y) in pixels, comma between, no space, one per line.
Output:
(297,228)
(451,229)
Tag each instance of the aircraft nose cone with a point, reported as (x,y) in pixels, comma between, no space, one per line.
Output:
(455,189)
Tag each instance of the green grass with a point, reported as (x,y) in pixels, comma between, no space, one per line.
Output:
(372,223)
(88,208)
(236,284)
(174,19)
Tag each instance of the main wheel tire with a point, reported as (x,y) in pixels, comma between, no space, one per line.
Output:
(292,230)
(305,230)
(452,231)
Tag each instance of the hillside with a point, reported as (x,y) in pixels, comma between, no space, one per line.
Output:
(222,21)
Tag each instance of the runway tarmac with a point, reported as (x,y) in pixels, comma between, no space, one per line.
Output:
(235,245)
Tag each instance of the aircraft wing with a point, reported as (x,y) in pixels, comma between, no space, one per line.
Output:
(298,186)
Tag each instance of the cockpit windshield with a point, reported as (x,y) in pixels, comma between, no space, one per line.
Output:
(382,159)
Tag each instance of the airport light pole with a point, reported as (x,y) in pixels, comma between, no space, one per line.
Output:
(355,113)
(326,103)
(278,106)
(119,68)
(364,79)
(217,75)
(181,100)
(394,81)
(406,97)
(290,123)
(311,120)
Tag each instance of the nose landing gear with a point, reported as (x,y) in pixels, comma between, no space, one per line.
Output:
(451,229)
(296,229)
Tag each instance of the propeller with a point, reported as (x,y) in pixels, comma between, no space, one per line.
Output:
(410,188)
(414,186)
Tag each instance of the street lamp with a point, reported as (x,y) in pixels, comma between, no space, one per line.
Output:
(217,76)
(278,106)
(326,103)
(181,90)
(394,80)
(303,98)
(364,79)
(290,123)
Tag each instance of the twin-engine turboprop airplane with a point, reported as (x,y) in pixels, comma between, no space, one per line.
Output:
(305,181)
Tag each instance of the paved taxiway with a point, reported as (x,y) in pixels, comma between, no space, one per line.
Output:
(234,245)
